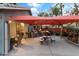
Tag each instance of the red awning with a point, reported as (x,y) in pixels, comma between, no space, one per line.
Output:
(34,20)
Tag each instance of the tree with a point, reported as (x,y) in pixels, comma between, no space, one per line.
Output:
(61,7)
(75,10)
(43,14)
(57,10)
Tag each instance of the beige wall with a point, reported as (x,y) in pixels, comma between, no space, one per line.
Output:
(26,27)
(22,28)
(13,28)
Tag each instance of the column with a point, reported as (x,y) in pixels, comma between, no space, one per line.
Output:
(2,36)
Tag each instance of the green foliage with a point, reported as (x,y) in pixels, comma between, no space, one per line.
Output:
(57,9)
(43,14)
(71,28)
(75,10)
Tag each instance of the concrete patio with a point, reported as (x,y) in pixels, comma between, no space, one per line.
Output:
(32,47)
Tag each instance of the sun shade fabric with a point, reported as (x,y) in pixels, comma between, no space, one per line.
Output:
(35,20)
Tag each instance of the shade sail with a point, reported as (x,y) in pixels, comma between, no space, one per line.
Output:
(55,20)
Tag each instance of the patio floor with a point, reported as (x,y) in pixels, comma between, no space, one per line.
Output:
(32,47)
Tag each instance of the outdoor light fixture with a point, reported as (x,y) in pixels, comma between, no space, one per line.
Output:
(22,24)
(10,21)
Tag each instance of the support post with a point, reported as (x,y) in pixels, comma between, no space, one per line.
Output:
(61,31)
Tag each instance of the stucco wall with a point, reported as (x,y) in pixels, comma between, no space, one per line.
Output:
(2,47)
(5,42)
(12,28)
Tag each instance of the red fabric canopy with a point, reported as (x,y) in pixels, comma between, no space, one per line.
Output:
(55,20)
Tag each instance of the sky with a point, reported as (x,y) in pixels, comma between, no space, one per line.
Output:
(39,7)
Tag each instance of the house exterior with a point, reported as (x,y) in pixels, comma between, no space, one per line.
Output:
(7,10)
